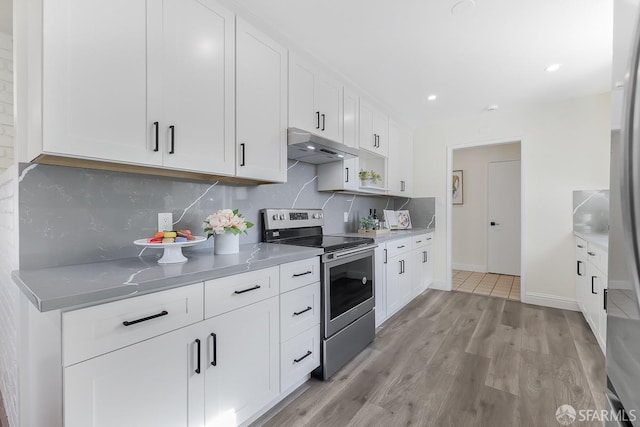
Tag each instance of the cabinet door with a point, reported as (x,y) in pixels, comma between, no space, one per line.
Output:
(368,141)
(381,284)
(302,114)
(261,105)
(328,100)
(246,375)
(198,86)
(146,384)
(398,282)
(95,80)
(421,270)
(594,298)
(350,118)
(427,266)
(400,171)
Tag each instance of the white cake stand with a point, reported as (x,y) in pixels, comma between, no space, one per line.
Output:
(172,251)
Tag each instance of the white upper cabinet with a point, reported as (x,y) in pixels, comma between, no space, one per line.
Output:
(315,100)
(149,83)
(198,86)
(261,105)
(400,166)
(373,129)
(350,118)
(95,80)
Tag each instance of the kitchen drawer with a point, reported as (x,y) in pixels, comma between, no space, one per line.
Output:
(307,346)
(96,330)
(396,247)
(228,293)
(581,247)
(299,273)
(598,257)
(421,240)
(299,310)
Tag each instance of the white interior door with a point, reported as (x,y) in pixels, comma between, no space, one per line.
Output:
(503,215)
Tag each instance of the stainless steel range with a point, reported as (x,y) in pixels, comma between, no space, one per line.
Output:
(348,282)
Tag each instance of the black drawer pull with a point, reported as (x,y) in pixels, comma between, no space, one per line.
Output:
(323,118)
(302,358)
(214,362)
(400,247)
(144,319)
(302,274)
(581,247)
(428,238)
(247,290)
(578,268)
(418,241)
(298,313)
(172,128)
(198,350)
(242,152)
(591,253)
(604,306)
(592,291)
(318,119)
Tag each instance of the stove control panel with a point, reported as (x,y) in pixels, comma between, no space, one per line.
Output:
(292,218)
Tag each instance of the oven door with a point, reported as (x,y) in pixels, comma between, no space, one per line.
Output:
(348,282)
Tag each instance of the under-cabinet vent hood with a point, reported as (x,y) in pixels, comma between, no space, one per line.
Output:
(310,148)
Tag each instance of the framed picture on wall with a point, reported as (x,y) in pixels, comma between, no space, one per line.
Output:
(457,188)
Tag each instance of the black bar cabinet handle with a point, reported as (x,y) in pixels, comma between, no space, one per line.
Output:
(401,246)
(298,313)
(592,291)
(144,319)
(247,290)
(400,262)
(591,253)
(375,139)
(385,256)
(242,163)
(172,130)
(318,119)
(578,268)
(347,174)
(303,357)
(418,241)
(214,362)
(424,257)
(323,120)
(198,350)
(604,297)
(581,247)
(302,274)
(156,125)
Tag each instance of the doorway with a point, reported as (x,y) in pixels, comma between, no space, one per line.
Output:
(484,231)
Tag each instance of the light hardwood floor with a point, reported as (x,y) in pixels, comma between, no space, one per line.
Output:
(459,359)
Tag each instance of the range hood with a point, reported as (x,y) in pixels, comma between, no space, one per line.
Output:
(310,148)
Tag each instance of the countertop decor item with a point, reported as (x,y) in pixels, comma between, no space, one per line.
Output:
(226,226)
(369,178)
(172,251)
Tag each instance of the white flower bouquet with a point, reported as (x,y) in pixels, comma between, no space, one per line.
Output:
(226,220)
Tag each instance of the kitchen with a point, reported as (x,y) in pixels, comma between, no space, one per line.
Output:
(116,207)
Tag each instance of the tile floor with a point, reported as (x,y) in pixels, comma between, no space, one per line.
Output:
(495,285)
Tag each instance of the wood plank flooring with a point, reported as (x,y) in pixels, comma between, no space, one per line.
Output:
(458,359)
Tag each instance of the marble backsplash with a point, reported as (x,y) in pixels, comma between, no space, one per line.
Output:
(74,216)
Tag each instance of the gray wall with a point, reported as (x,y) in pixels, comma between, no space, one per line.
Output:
(71,216)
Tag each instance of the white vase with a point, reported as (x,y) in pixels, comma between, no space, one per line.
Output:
(226,243)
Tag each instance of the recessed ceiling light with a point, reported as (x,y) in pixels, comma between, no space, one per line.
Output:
(553,67)
(311,147)
(432,97)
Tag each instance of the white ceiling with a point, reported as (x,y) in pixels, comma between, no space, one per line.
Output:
(6,16)
(495,53)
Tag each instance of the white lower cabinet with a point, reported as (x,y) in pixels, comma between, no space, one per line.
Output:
(381,284)
(146,384)
(221,371)
(399,291)
(240,362)
(591,287)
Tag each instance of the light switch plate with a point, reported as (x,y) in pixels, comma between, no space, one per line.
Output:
(165,221)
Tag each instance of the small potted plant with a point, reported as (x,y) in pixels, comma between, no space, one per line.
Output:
(225,226)
(368,178)
(367,223)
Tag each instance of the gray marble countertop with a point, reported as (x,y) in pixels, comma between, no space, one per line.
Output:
(599,239)
(395,234)
(84,284)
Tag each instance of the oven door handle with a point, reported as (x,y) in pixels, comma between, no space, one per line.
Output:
(352,252)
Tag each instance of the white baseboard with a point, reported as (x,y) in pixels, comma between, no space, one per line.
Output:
(439,286)
(552,301)
(469,267)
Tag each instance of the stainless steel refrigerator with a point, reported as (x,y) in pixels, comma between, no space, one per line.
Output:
(621,300)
